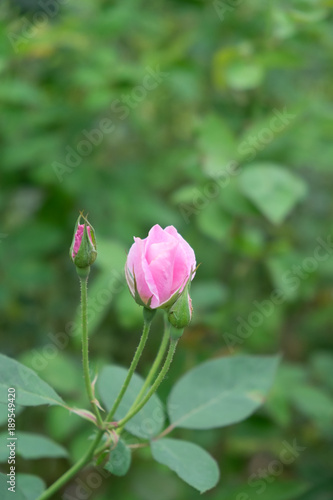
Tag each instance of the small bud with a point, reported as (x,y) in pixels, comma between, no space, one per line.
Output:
(180,313)
(83,249)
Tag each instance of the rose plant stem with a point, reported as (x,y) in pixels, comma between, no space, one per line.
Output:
(86,458)
(156,364)
(143,340)
(90,452)
(85,351)
(73,470)
(154,387)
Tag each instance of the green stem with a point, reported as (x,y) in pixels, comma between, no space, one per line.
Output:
(91,450)
(154,387)
(138,352)
(73,470)
(158,360)
(85,351)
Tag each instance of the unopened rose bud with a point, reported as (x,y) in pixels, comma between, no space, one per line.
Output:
(83,249)
(180,313)
(158,267)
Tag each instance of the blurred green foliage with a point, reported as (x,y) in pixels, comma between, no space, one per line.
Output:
(215,117)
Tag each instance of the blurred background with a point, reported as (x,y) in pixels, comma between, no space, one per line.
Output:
(215,117)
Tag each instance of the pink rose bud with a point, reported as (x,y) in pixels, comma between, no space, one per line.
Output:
(78,238)
(159,267)
(83,249)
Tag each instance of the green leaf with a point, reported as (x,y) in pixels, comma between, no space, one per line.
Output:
(7,495)
(30,389)
(31,446)
(217,145)
(119,459)
(190,462)
(149,421)
(279,267)
(221,392)
(62,372)
(214,222)
(314,403)
(244,75)
(273,190)
(27,487)
(32,486)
